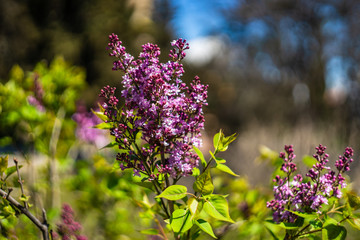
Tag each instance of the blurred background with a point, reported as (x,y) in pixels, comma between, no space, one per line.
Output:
(280,72)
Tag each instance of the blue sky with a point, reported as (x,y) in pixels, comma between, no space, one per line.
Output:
(198,18)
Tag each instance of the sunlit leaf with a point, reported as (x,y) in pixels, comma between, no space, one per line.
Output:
(100,115)
(224,168)
(103,125)
(181,220)
(201,156)
(205,226)
(195,172)
(194,206)
(217,207)
(174,192)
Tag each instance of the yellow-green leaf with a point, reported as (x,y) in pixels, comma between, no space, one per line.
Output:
(224,168)
(205,226)
(180,220)
(174,192)
(4,163)
(217,207)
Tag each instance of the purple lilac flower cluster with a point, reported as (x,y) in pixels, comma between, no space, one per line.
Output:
(308,196)
(160,106)
(68,228)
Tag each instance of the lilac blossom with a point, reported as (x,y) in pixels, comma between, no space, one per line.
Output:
(160,106)
(300,195)
(68,228)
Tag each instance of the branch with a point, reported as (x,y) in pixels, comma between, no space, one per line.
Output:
(20,181)
(43,226)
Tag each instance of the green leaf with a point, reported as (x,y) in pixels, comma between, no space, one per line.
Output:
(217,207)
(194,206)
(150,231)
(24,198)
(205,226)
(10,171)
(201,156)
(216,140)
(4,163)
(174,192)
(100,115)
(290,226)
(219,160)
(272,233)
(221,142)
(224,168)
(195,172)
(353,199)
(227,140)
(181,220)
(203,183)
(307,216)
(103,125)
(334,232)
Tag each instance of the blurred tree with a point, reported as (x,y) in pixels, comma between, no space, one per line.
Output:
(34,30)
(312,43)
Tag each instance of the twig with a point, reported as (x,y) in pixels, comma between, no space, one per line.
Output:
(43,226)
(20,181)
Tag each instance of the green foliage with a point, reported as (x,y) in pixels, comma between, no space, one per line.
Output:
(174,192)
(203,183)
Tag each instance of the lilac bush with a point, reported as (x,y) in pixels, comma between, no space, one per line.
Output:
(160,106)
(296,194)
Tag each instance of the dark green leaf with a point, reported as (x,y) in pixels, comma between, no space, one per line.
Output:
(334,232)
